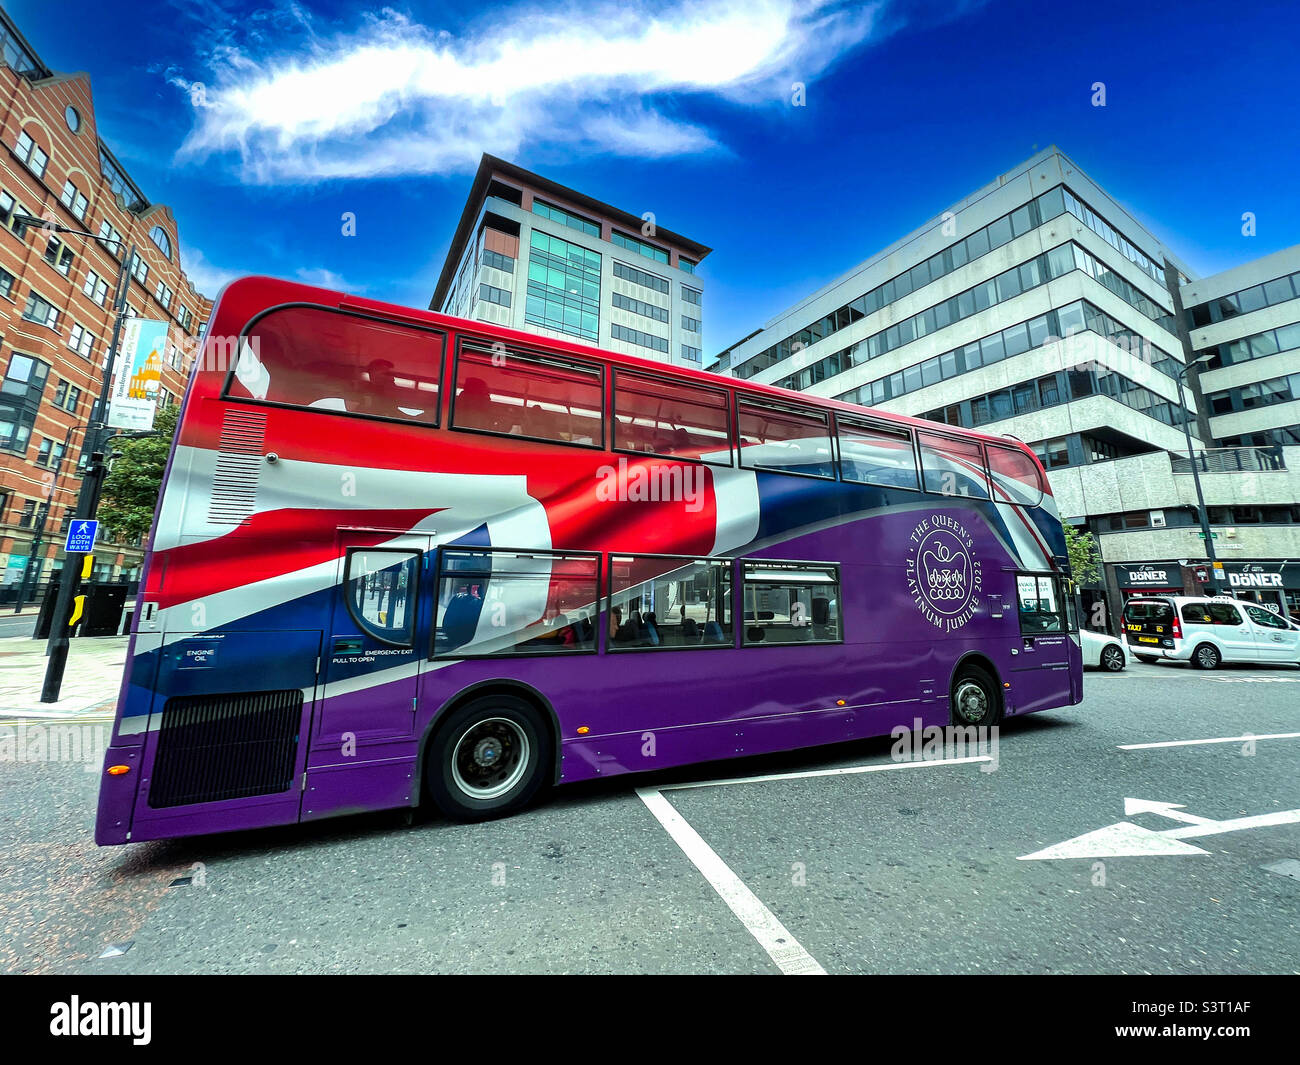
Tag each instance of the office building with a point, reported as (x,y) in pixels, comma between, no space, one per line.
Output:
(1039,308)
(534,255)
(56,314)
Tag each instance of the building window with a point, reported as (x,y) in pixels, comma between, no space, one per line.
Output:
(639,338)
(563,287)
(566,218)
(67,396)
(650,251)
(50,454)
(163,294)
(28,515)
(95,287)
(73,200)
(9,208)
(492,294)
(790,603)
(59,256)
(691,295)
(80,340)
(161,241)
(39,309)
(687,265)
(73,118)
(22,388)
(641,277)
(32,155)
(504,603)
(186,318)
(690,354)
(691,325)
(646,310)
(6,284)
(498,261)
(111,239)
(140,269)
(668,603)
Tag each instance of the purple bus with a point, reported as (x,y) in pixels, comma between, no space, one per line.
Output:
(401,557)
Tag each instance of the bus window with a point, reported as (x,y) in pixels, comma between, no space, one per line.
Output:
(380,591)
(872,455)
(1040,606)
(787,439)
(668,603)
(525,395)
(503,603)
(952,467)
(660,417)
(1017,474)
(790,603)
(330,360)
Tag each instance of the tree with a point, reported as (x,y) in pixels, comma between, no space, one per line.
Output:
(1085,558)
(131,487)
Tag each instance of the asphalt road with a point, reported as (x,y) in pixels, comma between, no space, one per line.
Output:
(913,870)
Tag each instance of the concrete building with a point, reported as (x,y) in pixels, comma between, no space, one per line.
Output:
(56,316)
(534,255)
(1037,307)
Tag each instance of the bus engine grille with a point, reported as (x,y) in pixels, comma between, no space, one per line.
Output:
(213,747)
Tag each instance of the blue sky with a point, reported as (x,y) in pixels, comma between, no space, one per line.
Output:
(310,108)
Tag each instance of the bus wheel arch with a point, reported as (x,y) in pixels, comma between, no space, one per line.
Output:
(977,669)
(509,689)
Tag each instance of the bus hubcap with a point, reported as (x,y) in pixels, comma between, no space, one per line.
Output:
(972,703)
(490,758)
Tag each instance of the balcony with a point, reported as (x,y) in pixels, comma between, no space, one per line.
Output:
(1230,460)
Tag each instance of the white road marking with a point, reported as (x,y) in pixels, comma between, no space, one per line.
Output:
(1125,839)
(772,935)
(1220,739)
(920,762)
(1164,809)
(1254,680)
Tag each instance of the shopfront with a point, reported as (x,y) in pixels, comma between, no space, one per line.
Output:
(1275,585)
(1154,578)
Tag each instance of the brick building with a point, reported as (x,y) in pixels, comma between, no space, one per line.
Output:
(56,296)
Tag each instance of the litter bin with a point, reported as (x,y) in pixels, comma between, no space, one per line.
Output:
(100,616)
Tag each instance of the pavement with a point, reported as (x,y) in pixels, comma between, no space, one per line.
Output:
(90,680)
(1154,828)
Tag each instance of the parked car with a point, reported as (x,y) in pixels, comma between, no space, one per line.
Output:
(1208,632)
(1102,651)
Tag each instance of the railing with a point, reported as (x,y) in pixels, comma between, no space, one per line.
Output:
(1230,460)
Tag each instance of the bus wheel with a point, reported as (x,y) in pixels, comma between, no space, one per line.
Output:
(1206,657)
(487,759)
(975,698)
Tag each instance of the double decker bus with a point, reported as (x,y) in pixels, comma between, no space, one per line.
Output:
(400,556)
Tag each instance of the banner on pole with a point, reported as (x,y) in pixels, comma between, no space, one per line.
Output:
(138,374)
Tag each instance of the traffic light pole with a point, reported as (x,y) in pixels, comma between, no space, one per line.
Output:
(87,501)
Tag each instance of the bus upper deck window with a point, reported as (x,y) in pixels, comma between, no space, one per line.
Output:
(328,360)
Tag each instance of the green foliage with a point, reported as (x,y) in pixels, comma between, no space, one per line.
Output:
(1085,557)
(131,488)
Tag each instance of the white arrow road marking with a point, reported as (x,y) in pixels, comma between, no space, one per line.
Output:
(1164,809)
(1129,840)
(1220,739)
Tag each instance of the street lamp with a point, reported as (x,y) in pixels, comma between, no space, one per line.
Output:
(1196,477)
(93,479)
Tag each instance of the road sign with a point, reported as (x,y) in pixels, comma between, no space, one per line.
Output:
(81,536)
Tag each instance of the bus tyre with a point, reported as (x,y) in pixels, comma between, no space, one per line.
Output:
(1206,656)
(488,758)
(975,698)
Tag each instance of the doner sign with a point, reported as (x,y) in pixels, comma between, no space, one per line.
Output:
(138,374)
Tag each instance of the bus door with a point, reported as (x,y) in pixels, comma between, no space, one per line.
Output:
(374,646)
(1040,675)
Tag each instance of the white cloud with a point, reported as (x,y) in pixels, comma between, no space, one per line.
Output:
(205,276)
(398,98)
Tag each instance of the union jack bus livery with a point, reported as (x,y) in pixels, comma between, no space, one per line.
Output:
(401,557)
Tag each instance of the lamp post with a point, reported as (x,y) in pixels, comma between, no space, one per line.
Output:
(1196,476)
(92,481)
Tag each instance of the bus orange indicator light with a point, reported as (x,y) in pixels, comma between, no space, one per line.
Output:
(583,730)
(118,770)
(839,702)
(1006,684)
